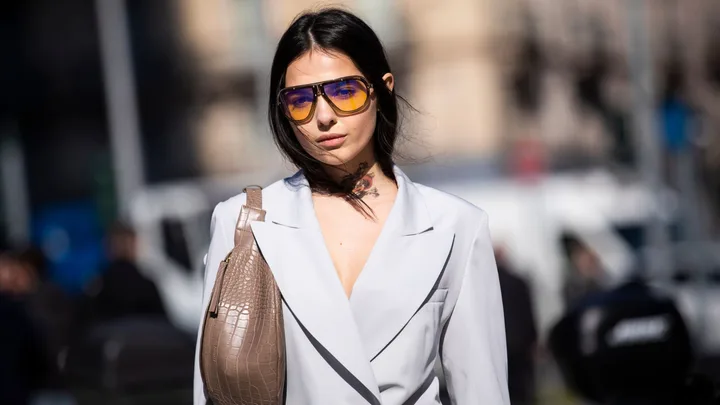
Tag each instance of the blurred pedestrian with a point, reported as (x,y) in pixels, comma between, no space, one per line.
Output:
(625,346)
(520,331)
(585,274)
(51,310)
(121,289)
(22,358)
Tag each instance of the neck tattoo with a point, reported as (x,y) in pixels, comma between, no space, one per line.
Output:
(361,182)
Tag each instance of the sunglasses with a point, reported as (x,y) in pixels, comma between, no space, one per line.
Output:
(346,95)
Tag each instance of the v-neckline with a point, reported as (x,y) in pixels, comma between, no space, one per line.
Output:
(373,251)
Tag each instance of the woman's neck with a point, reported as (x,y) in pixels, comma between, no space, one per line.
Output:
(364,177)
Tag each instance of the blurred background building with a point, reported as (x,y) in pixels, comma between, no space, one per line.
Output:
(598,119)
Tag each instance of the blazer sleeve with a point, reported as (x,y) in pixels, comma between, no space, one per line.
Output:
(219,248)
(473,351)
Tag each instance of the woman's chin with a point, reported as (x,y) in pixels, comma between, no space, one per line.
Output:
(336,158)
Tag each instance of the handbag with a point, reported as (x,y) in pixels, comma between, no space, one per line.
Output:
(242,358)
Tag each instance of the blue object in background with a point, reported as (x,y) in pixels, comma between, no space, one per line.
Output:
(675,124)
(71,237)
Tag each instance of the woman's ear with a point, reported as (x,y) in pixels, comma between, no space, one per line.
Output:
(389,81)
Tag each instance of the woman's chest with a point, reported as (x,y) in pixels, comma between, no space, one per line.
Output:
(349,239)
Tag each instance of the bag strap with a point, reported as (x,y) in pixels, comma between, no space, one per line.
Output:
(250,211)
(254,197)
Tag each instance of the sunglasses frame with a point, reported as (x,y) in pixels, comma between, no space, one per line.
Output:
(319,91)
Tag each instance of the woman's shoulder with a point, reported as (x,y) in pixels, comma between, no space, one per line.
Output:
(230,208)
(444,205)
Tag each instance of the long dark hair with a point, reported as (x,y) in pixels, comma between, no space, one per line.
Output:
(333,29)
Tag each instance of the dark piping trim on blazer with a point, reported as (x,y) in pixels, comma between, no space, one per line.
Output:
(420,391)
(440,349)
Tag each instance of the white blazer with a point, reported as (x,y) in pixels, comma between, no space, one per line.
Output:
(429,288)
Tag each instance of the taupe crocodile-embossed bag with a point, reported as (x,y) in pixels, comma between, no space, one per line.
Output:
(242,357)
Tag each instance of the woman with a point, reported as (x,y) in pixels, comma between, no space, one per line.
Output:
(380,276)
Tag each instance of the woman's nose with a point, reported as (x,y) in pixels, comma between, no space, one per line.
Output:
(324,114)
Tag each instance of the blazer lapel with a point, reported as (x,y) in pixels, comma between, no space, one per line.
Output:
(310,288)
(402,272)
(397,285)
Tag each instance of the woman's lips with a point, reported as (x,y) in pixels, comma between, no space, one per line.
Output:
(331,141)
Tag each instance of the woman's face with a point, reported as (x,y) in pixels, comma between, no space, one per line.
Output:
(328,137)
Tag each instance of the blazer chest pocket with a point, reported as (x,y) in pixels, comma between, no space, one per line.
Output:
(438,296)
